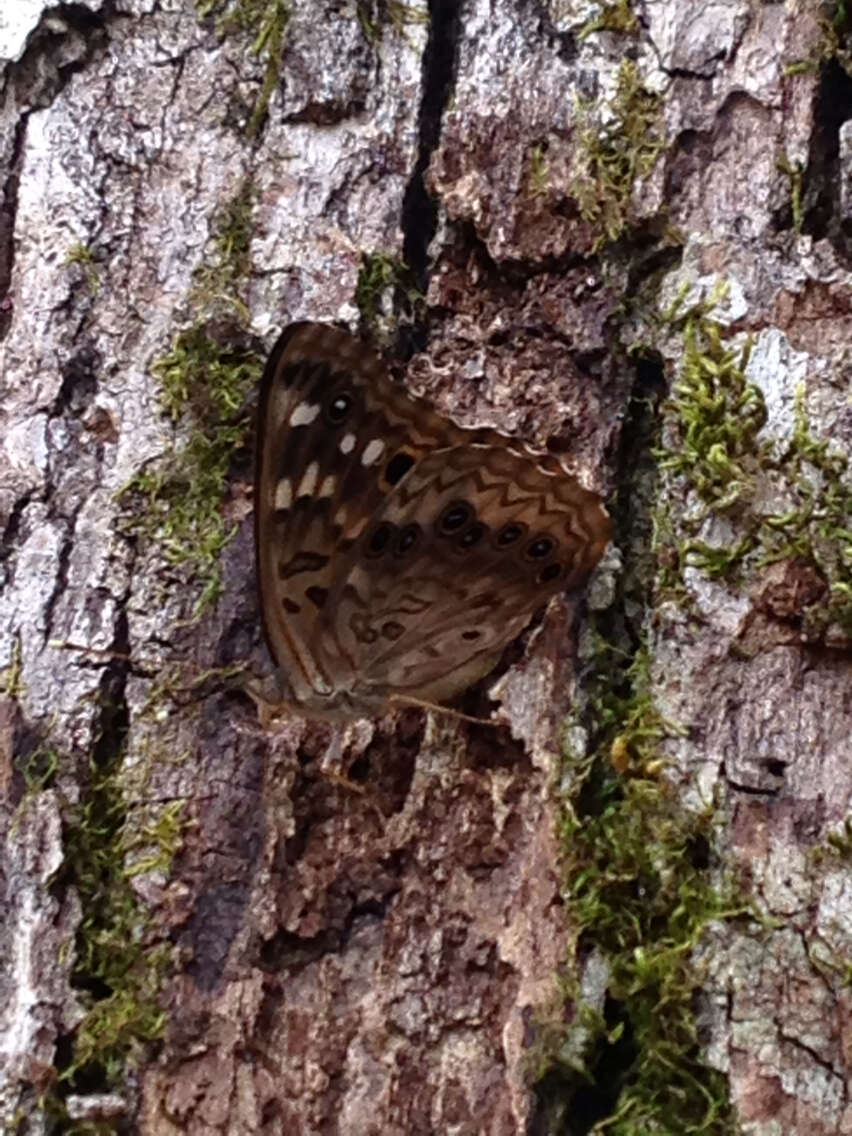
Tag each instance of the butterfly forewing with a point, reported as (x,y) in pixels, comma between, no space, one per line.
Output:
(335,435)
(397,552)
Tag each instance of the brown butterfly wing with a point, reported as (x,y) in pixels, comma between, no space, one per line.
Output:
(452,566)
(334,436)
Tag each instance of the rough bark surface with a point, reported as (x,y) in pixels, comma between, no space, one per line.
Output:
(383,960)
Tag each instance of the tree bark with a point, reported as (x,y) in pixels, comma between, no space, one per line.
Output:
(620,231)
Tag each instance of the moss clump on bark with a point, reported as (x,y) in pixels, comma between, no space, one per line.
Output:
(83,256)
(204,387)
(179,504)
(641,892)
(266,22)
(376,15)
(119,964)
(714,451)
(613,157)
(642,883)
(384,283)
(834,43)
(616,17)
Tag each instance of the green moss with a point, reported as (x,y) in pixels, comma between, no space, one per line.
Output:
(641,895)
(835,19)
(642,882)
(840,843)
(266,22)
(218,284)
(377,15)
(118,969)
(714,450)
(11,682)
(381,280)
(818,529)
(539,170)
(612,158)
(81,254)
(716,414)
(179,504)
(204,385)
(796,173)
(38,768)
(615,17)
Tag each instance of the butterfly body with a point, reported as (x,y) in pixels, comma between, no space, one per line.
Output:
(397,553)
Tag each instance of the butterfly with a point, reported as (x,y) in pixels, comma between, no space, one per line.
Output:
(397,553)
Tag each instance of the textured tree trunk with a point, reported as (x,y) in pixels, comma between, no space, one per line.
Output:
(618,230)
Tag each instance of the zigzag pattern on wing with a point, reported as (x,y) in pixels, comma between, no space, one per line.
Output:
(389,645)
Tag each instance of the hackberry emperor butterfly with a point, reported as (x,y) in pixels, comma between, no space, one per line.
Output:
(397,553)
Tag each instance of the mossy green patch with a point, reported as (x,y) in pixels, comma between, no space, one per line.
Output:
(119,966)
(266,22)
(83,256)
(377,15)
(818,529)
(717,414)
(539,170)
(613,157)
(383,279)
(643,884)
(218,284)
(714,449)
(11,681)
(641,893)
(204,382)
(615,17)
(179,503)
(795,172)
(834,42)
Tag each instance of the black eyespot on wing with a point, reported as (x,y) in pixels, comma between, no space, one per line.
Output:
(316,595)
(380,539)
(408,537)
(398,467)
(290,606)
(510,534)
(539,548)
(471,635)
(392,630)
(454,517)
(550,572)
(471,536)
(337,408)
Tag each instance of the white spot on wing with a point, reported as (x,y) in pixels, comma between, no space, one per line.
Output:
(347,443)
(283,494)
(308,484)
(327,487)
(304,414)
(372,452)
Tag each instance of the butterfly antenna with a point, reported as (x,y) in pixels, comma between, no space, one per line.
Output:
(436,708)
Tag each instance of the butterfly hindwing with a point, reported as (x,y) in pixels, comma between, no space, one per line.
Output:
(454,563)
